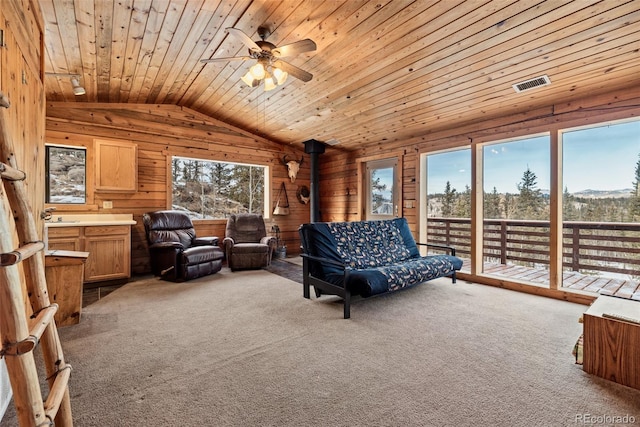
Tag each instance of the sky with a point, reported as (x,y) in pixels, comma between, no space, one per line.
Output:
(602,158)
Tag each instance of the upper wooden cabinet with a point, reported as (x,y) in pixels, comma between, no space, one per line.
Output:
(116,165)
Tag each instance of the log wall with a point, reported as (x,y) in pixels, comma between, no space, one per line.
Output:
(161,131)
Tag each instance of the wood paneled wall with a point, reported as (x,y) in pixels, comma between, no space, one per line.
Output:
(161,131)
(21,84)
(339,174)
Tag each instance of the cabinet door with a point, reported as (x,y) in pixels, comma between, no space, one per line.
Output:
(116,165)
(64,239)
(109,250)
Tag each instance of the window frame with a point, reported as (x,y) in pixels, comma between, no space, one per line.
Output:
(390,163)
(266,211)
(89,203)
(361,165)
(504,133)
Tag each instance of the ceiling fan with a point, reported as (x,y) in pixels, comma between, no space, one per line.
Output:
(269,66)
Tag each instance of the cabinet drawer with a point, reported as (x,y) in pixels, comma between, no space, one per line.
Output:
(55,232)
(104,230)
(69,244)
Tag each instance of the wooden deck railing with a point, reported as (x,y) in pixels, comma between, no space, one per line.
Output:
(588,247)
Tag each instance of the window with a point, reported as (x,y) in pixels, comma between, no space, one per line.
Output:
(66,172)
(214,190)
(601,206)
(382,197)
(449,184)
(561,213)
(516,209)
(448,201)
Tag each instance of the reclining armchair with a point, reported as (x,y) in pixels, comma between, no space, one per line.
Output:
(246,244)
(175,252)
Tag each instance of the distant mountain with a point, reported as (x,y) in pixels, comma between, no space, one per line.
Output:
(603,194)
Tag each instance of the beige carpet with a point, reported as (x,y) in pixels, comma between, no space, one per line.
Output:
(245,349)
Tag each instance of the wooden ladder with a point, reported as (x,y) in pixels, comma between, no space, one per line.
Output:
(21,333)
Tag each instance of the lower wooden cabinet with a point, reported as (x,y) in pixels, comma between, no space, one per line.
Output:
(109,248)
(64,271)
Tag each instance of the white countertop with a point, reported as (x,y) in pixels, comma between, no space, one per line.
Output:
(86,220)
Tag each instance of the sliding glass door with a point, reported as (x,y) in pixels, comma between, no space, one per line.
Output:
(448,202)
(516,183)
(601,209)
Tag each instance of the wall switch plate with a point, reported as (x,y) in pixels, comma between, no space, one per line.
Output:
(107,204)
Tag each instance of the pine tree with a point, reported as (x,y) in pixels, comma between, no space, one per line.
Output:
(175,172)
(492,205)
(448,200)
(569,211)
(377,196)
(463,204)
(220,177)
(509,206)
(530,200)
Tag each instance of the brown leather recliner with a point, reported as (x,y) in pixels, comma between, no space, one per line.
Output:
(246,243)
(175,251)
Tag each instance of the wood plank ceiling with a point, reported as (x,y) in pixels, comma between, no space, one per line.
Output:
(385,70)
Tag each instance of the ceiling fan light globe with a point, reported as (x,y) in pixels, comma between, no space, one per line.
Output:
(248,79)
(258,71)
(269,84)
(281,76)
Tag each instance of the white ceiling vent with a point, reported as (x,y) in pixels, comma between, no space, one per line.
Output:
(532,83)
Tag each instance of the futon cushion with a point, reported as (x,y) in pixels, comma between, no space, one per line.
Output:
(369,244)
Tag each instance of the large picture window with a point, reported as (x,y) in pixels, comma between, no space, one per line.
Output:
(601,208)
(66,172)
(516,209)
(214,190)
(558,211)
(448,201)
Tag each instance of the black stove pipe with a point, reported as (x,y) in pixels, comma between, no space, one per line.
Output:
(314,148)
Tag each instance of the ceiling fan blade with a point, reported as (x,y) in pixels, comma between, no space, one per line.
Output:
(231,58)
(238,34)
(293,70)
(306,45)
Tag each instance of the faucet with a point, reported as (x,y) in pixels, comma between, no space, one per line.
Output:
(46,214)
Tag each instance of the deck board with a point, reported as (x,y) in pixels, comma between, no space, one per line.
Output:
(622,288)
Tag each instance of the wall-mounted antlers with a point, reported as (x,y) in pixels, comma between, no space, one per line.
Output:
(293,166)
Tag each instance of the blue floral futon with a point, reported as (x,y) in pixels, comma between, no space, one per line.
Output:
(368,258)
